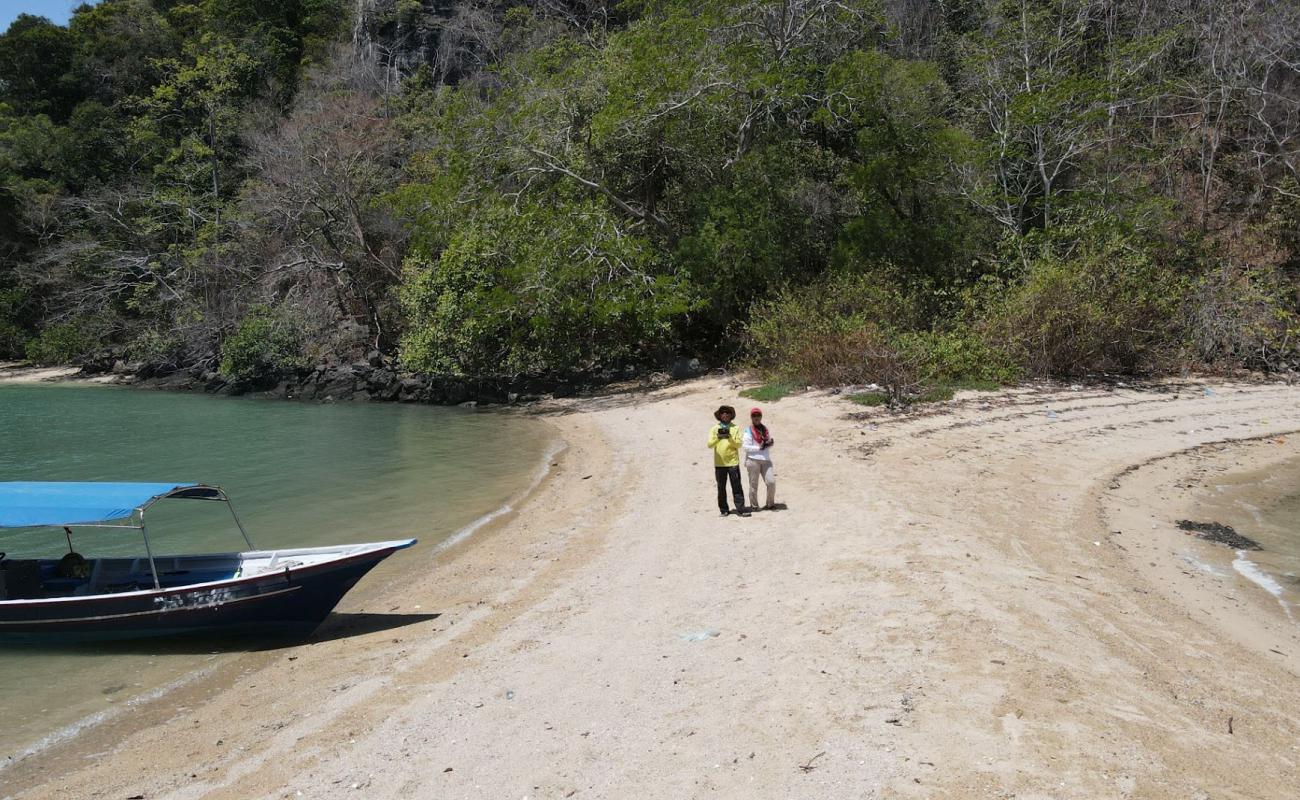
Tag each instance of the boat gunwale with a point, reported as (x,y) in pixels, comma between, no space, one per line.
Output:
(371,548)
(151,612)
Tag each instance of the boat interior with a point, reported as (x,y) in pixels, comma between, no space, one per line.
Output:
(74,576)
(33,579)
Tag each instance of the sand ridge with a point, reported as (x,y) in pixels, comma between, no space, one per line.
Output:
(943,611)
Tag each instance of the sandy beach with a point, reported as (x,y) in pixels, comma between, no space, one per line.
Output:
(21,372)
(987,598)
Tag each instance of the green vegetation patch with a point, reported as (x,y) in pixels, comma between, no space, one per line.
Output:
(60,344)
(266,344)
(769,392)
(936,394)
(870,399)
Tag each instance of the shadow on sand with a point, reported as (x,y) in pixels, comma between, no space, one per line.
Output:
(336,626)
(343,626)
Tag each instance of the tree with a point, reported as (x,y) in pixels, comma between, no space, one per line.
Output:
(313,216)
(1035,97)
(537,289)
(36,58)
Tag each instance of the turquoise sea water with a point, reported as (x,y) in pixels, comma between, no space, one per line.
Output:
(1264,505)
(299,474)
(1275,524)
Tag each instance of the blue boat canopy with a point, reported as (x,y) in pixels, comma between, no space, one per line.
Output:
(27,504)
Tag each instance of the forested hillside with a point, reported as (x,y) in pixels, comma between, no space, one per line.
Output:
(833,191)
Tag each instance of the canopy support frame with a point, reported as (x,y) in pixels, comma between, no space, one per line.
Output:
(221,497)
(238,523)
(137,520)
(148,551)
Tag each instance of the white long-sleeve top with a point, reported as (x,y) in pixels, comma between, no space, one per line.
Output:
(752,451)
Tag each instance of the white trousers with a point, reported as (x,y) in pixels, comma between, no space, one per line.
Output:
(765,470)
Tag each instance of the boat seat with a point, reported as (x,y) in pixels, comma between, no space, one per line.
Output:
(59,587)
(186,577)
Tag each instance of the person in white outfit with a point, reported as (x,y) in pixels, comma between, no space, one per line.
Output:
(757,443)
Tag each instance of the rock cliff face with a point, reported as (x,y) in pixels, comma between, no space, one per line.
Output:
(445,37)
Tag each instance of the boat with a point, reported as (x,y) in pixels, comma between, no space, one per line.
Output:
(249,591)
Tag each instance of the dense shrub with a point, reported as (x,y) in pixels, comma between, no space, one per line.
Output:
(11,333)
(11,340)
(821,333)
(266,345)
(157,348)
(1244,318)
(1108,307)
(541,289)
(61,344)
(839,331)
(958,356)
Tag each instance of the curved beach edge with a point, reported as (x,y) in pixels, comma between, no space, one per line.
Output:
(1213,584)
(940,611)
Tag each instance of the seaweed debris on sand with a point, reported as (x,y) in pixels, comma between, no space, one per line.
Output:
(1219,533)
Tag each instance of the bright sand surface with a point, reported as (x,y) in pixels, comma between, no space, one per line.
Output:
(19,372)
(987,599)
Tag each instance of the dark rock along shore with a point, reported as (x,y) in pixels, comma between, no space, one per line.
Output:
(378,378)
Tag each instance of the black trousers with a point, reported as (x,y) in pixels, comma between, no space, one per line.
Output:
(721,474)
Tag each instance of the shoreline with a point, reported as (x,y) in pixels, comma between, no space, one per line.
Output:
(97,732)
(1199,575)
(942,611)
(378,380)
(19,372)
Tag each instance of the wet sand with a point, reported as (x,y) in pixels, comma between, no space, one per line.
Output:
(985,599)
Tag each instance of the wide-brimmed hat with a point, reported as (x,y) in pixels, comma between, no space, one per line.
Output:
(724,409)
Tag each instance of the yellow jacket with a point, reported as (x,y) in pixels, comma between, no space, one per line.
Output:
(726,450)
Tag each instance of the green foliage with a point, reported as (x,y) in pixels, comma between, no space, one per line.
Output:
(537,289)
(36,59)
(769,392)
(122,141)
(12,338)
(958,356)
(1244,317)
(1102,304)
(894,117)
(931,394)
(918,195)
(751,233)
(266,345)
(936,394)
(156,347)
(869,399)
(837,331)
(62,343)
(864,329)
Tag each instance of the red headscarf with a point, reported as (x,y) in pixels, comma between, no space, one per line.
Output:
(757,429)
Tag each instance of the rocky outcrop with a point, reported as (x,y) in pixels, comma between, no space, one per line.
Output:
(378,379)
(447,38)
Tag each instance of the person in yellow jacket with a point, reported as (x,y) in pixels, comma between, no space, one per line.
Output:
(724,441)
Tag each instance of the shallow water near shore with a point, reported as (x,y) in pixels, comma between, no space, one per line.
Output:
(1263,505)
(299,474)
